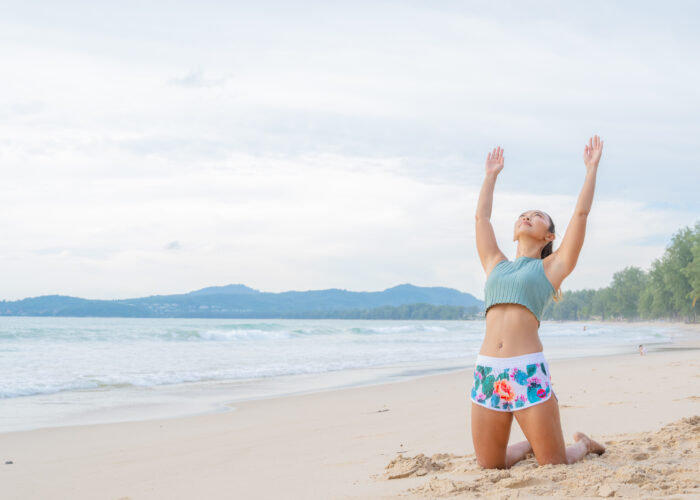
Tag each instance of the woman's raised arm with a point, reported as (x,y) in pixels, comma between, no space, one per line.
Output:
(565,258)
(486,245)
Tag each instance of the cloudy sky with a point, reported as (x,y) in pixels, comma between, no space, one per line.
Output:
(160,147)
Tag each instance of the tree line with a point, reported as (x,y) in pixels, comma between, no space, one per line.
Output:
(670,289)
(404,311)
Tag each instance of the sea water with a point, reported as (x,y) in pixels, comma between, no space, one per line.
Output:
(63,371)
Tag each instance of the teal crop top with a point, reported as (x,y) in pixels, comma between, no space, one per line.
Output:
(521,281)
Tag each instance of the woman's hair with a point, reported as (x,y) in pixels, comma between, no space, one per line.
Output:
(547,250)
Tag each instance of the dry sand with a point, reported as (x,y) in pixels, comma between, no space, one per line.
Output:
(644,464)
(346,444)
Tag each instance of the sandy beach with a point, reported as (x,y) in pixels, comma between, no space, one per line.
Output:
(408,439)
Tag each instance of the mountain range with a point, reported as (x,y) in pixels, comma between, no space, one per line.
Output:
(240,301)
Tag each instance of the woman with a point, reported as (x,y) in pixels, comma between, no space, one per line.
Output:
(512,376)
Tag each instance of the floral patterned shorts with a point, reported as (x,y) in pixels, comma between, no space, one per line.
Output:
(515,383)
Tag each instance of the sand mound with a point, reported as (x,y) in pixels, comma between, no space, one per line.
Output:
(643,465)
(420,465)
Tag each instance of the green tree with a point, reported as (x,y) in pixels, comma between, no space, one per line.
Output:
(692,271)
(673,279)
(626,289)
(603,304)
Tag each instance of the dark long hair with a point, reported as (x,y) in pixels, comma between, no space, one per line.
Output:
(548,248)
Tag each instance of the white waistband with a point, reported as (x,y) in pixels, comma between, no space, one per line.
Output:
(533,357)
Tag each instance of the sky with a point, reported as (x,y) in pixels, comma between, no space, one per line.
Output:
(161,147)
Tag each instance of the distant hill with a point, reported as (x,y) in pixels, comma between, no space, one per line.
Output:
(240,301)
(225,290)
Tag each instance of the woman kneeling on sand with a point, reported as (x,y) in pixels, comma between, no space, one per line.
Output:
(512,376)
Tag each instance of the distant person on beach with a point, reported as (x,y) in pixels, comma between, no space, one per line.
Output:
(642,350)
(511,376)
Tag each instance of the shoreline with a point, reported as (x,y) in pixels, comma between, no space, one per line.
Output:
(192,399)
(337,444)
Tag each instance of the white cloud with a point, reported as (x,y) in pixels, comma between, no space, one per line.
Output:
(278,224)
(304,149)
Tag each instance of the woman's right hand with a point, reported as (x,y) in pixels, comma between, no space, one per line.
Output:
(494,161)
(592,152)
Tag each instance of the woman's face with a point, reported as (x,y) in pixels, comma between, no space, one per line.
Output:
(532,222)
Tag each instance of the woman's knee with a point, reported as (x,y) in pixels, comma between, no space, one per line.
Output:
(494,466)
(491,464)
(551,459)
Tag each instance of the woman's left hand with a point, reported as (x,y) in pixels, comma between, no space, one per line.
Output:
(592,152)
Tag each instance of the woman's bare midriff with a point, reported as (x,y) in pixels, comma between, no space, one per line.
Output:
(511,330)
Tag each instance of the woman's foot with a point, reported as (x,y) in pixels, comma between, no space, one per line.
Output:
(591,446)
(517,452)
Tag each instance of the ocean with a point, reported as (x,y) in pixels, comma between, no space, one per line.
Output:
(66,371)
